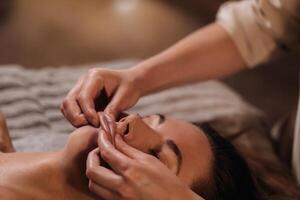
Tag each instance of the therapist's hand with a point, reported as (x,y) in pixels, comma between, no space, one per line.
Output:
(80,104)
(134,175)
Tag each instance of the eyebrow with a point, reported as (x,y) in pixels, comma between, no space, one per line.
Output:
(172,145)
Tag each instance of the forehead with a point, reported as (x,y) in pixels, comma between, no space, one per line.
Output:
(193,144)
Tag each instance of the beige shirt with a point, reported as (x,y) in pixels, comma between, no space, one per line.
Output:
(262,30)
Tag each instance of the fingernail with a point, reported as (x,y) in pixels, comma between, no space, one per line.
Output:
(112,127)
(104,122)
(111,123)
(104,139)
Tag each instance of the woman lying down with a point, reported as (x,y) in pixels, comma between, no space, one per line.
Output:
(204,162)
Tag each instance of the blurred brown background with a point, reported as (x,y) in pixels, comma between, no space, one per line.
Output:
(37,33)
(57,32)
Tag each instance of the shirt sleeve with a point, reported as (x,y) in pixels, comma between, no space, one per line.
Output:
(261,29)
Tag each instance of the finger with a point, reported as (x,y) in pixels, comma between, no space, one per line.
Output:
(72,113)
(104,122)
(108,125)
(116,160)
(100,175)
(93,159)
(131,152)
(102,192)
(118,103)
(70,107)
(89,92)
(112,128)
(105,178)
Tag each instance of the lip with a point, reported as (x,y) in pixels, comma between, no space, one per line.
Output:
(123,128)
(125,124)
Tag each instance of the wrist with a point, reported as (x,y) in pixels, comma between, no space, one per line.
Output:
(140,74)
(150,77)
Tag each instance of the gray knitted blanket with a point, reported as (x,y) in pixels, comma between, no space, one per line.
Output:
(30,99)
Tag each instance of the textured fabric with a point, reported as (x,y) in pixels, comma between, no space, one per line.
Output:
(30,99)
(262,29)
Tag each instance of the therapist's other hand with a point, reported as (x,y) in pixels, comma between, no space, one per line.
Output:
(134,175)
(79,106)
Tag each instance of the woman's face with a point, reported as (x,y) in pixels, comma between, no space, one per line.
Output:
(181,146)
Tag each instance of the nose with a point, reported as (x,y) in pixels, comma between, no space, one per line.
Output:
(138,134)
(122,115)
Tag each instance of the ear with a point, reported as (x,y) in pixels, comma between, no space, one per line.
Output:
(80,143)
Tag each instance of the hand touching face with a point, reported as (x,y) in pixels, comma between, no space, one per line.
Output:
(87,97)
(152,158)
(179,145)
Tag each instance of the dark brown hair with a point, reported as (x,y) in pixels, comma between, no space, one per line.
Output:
(249,177)
(273,179)
(231,178)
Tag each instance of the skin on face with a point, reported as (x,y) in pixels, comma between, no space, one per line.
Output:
(181,146)
(61,175)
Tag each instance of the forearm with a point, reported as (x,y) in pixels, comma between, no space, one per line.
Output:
(208,53)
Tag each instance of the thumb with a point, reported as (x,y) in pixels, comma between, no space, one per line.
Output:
(120,102)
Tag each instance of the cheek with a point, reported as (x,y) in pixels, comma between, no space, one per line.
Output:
(168,158)
(197,164)
(138,138)
(142,137)
(134,140)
